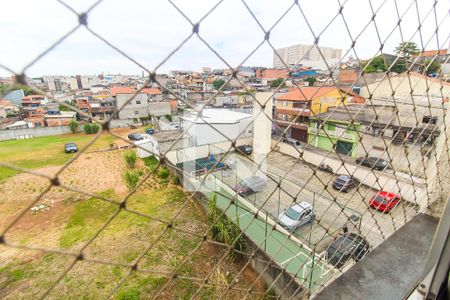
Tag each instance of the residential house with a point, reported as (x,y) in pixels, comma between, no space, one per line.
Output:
(63,118)
(147,102)
(332,133)
(7,108)
(406,85)
(294,108)
(161,142)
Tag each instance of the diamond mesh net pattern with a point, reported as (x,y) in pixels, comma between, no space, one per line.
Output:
(291,173)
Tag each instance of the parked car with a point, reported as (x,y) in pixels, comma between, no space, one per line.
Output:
(135,137)
(244,149)
(293,142)
(71,148)
(347,246)
(373,163)
(251,185)
(384,201)
(345,182)
(150,131)
(296,216)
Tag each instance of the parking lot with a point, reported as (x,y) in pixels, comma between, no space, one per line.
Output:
(291,182)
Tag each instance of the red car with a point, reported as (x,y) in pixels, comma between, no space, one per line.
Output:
(384,201)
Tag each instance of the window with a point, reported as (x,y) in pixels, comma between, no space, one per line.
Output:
(429,120)
(138,102)
(136,112)
(285,103)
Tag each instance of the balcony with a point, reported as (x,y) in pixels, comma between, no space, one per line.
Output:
(294,124)
(295,111)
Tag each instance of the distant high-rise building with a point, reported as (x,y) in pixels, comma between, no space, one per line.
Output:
(308,56)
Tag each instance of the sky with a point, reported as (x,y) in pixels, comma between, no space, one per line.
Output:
(149,30)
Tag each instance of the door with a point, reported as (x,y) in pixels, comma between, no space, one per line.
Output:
(299,134)
(344,148)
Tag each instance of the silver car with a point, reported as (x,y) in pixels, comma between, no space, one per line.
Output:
(296,216)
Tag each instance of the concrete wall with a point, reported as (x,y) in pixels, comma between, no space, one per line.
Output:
(138,107)
(13,134)
(402,86)
(191,153)
(204,134)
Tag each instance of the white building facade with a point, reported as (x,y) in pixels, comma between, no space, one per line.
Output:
(217,125)
(307,55)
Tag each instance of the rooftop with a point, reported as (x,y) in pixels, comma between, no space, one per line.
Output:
(217,116)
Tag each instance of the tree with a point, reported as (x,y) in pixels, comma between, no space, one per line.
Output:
(407,49)
(376,65)
(277,82)
(311,80)
(430,66)
(218,83)
(73,125)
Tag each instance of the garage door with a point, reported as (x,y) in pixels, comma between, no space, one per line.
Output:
(344,147)
(299,134)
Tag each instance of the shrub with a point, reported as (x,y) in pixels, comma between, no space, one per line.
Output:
(130,158)
(163,173)
(222,229)
(151,162)
(87,128)
(168,117)
(176,180)
(73,125)
(131,179)
(95,128)
(91,128)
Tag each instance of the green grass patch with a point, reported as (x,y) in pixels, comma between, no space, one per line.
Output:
(151,162)
(87,217)
(43,151)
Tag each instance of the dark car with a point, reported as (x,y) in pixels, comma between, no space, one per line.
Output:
(384,201)
(345,182)
(250,186)
(71,148)
(150,131)
(135,137)
(244,149)
(373,163)
(347,246)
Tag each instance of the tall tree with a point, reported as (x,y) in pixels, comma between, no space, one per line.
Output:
(218,83)
(376,65)
(277,82)
(407,49)
(311,80)
(430,66)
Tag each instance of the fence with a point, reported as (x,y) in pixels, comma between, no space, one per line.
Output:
(177,251)
(13,134)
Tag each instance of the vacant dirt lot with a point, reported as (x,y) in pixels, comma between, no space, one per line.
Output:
(69,221)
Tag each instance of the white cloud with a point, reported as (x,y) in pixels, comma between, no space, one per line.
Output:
(149,30)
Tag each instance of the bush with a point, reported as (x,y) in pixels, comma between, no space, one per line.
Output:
(131,179)
(91,128)
(222,229)
(150,162)
(176,180)
(163,173)
(73,125)
(130,158)
(168,117)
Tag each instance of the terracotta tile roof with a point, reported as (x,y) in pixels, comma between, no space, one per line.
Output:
(30,97)
(121,90)
(4,102)
(271,74)
(429,53)
(151,91)
(306,93)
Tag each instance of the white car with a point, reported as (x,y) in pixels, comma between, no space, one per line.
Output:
(296,216)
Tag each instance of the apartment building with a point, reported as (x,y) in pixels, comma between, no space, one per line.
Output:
(307,55)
